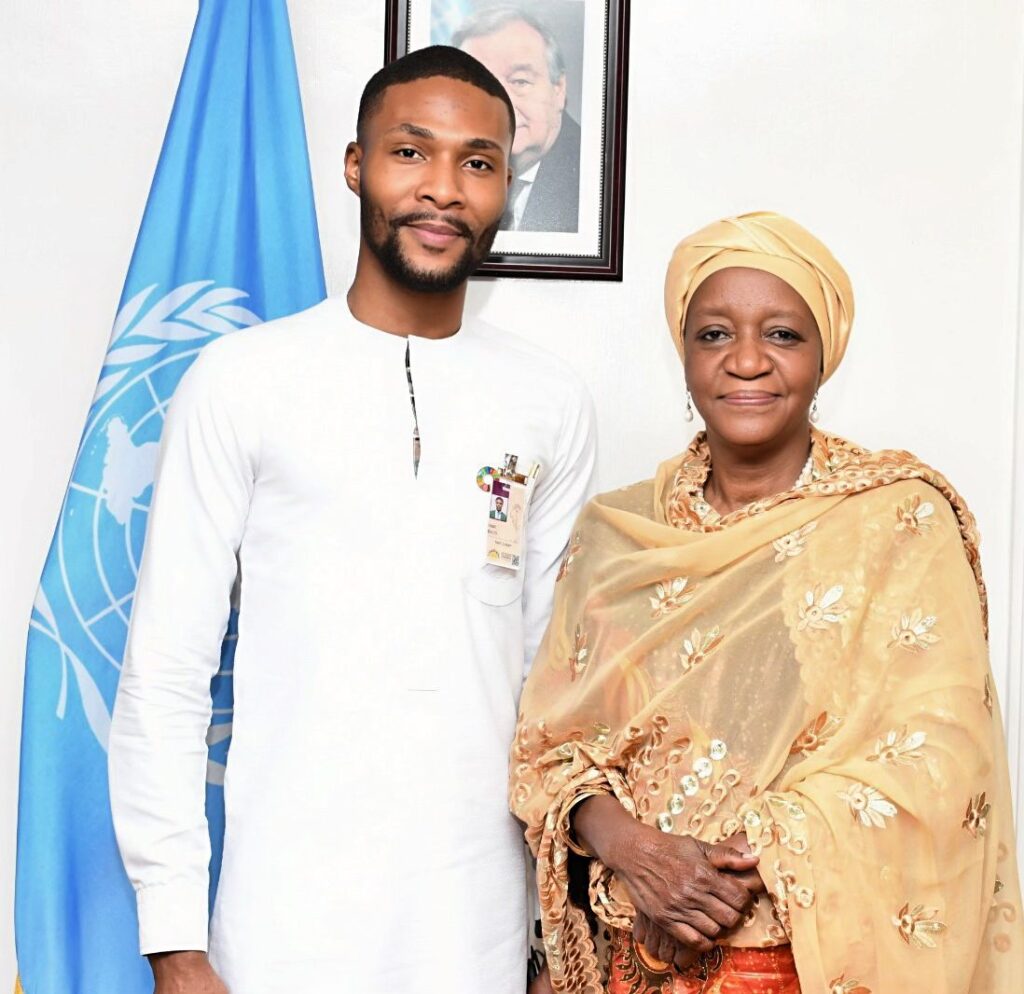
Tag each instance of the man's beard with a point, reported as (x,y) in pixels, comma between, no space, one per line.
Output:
(389,252)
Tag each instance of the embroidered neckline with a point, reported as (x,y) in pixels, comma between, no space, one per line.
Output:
(706,513)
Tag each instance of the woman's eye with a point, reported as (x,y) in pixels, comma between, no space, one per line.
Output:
(711,335)
(784,335)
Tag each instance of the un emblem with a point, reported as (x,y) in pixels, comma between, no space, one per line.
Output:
(85,598)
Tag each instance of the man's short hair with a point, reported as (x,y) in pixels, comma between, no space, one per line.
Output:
(426,63)
(491,19)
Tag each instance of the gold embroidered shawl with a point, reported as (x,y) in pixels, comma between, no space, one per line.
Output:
(811,669)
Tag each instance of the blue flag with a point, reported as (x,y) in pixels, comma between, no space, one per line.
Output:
(228,239)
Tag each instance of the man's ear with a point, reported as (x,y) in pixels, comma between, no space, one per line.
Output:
(353,162)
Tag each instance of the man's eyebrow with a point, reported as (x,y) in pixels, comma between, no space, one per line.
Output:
(524,67)
(481,144)
(484,144)
(413,129)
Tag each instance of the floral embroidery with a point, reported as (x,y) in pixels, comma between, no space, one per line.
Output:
(697,647)
(844,467)
(843,986)
(914,632)
(912,516)
(917,926)
(868,805)
(821,609)
(578,656)
(791,808)
(898,748)
(786,886)
(816,734)
(793,543)
(976,819)
(670,595)
(574,549)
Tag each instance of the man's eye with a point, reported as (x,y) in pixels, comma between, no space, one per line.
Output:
(407,153)
(479,165)
(520,82)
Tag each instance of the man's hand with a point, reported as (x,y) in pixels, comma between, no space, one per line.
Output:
(185,973)
(693,891)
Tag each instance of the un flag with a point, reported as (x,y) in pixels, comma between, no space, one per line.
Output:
(228,239)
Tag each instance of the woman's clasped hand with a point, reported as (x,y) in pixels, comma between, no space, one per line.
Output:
(687,893)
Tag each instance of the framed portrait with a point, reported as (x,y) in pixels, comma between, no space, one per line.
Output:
(564,64)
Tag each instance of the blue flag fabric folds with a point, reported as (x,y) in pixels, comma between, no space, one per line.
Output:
(228,239)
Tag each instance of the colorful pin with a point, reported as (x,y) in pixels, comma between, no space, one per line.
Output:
(486,477)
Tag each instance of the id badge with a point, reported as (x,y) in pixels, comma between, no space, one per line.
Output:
(510,492)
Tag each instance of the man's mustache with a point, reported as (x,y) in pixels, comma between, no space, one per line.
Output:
(420,217)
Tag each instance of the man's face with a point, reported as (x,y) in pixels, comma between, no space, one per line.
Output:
(517,55)
(431,171)
(498,504)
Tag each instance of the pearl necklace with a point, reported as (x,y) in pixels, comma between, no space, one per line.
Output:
(703,508)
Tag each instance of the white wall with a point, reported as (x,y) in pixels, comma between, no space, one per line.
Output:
(893,130)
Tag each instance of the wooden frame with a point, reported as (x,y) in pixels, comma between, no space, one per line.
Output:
(600,43)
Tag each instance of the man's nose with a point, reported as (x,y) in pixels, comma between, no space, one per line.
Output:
(441,184)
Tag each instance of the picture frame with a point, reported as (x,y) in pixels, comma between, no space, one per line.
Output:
(565,64)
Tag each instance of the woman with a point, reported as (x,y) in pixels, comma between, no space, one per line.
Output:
(762,722)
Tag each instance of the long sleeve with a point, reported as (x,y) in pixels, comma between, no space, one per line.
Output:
(158,754)
(563,489)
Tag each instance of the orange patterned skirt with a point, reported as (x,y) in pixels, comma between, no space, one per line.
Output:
(726,970)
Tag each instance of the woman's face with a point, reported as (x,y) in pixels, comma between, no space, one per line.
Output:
(752,355)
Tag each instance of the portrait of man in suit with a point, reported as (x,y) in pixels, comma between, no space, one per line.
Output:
(524,54)
(498,512)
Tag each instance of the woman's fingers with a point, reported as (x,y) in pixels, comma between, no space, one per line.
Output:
(752,880)
(723,857)
(666,947)
(703,923)
(728,889)
(684,958)
(687,935)
(726,916)
(640,928)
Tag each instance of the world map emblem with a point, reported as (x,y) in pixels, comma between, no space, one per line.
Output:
(83,606)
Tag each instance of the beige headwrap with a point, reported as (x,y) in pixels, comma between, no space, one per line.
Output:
(776,245)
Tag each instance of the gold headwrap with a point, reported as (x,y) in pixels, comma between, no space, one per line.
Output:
(776,245)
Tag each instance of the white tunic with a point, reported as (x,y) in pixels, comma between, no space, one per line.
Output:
(368,844)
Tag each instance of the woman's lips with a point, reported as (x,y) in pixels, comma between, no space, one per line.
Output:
(750,398)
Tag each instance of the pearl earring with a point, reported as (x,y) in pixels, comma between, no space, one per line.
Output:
(814,410)
(689,407)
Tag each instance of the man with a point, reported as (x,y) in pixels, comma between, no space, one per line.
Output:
(526,57)
(497,514)
(368,845)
